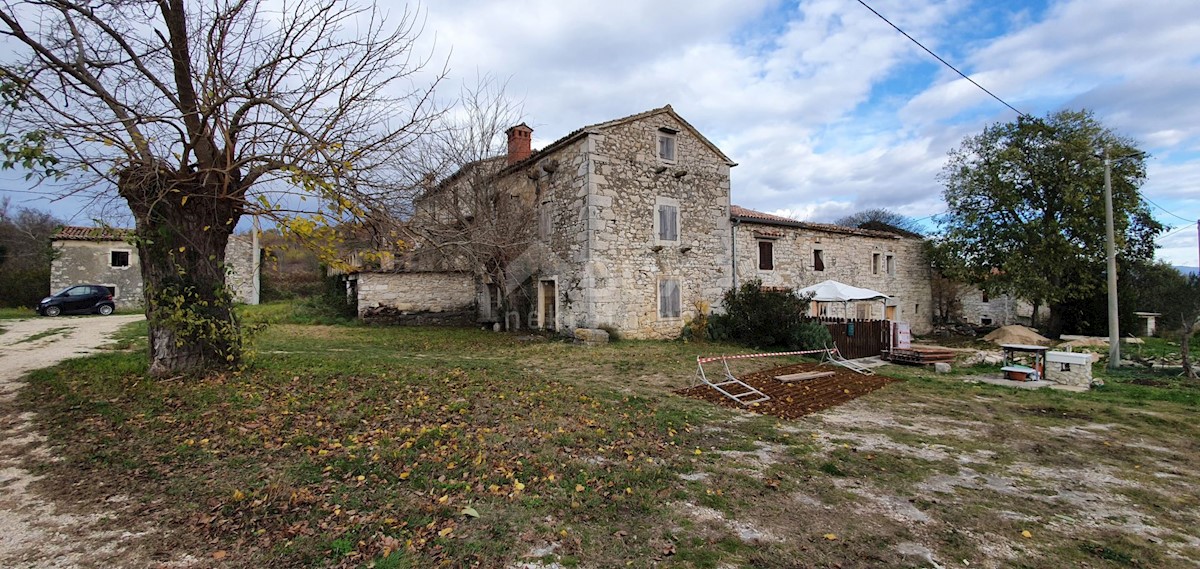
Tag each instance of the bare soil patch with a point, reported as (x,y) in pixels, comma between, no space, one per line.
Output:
(796,399)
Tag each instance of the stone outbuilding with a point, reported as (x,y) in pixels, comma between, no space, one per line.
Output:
(106,256)
(783,252)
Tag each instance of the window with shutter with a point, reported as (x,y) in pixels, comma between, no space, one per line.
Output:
(668,223)
(666,146)
(669,299)
(818,260)
(766,256)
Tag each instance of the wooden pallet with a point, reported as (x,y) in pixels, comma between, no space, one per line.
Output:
(921,356)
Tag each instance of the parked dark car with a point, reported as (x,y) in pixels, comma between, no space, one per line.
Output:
(78,299)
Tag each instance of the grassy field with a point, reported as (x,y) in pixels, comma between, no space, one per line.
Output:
(358,446)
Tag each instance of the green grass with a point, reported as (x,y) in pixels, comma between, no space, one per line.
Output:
(351,445)
(43,334)
(15,313)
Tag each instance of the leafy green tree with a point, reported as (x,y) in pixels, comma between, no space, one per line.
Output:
(1025,209)
(25,255)
(766,318)
(197,113)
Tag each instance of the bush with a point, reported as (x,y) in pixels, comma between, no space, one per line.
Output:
(767,318)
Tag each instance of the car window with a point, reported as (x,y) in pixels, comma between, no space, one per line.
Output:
(79,291)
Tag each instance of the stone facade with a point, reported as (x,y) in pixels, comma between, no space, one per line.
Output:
(86,255)
(1069,368)
(980,309)
(444,298)
(782,252)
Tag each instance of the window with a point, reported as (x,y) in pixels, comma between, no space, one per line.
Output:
(862,311)
(669,300)
(766,256)
(544,223)
(984,295)
(875,263)
(666,220)
(666,145)
(818,260)
(891,264)
(120,259)
(985,321)
(1064,366)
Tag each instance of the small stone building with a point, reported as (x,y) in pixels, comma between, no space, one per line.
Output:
(978,308)
(105,256)
(783,252)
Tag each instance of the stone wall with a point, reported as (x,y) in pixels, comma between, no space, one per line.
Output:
(243,257)
(91,262)
(1069,368)
(998,310)
(416,298)
(857,259)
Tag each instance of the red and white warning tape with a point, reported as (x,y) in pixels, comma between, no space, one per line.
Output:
(701,360)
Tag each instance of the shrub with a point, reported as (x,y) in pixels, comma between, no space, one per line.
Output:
(764,318)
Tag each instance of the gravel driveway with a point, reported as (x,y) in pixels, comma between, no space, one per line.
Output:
(34,530)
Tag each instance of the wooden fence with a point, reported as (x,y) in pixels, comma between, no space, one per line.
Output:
(859,338)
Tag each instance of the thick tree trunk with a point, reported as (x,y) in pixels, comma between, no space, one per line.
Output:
(183,225)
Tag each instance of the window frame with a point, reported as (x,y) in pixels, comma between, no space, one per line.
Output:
(770,256)
(818,258)
(662,302)
(875,263)
(890,263)
(659,203)
(112,253)
(670,136)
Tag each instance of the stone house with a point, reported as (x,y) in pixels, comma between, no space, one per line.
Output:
(630,223)
(624,225)
(978,308)
(783,252)
(105,256)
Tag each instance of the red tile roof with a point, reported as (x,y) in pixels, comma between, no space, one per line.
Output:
(76,233)
(749,215)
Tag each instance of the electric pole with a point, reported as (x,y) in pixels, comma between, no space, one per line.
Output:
(1114,335)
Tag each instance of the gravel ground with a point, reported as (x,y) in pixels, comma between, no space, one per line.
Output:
(35,531)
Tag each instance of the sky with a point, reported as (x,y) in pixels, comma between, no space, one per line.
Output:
(827,109)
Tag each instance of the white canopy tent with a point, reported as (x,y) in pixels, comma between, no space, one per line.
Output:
(834,291)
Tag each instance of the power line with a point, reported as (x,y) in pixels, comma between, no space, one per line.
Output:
(1165,210)
(944,62)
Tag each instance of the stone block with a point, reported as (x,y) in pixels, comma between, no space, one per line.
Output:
(941,367)
(591,336)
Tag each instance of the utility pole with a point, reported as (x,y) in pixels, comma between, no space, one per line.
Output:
(1114,335)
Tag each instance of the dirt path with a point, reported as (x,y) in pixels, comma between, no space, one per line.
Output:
(34,530)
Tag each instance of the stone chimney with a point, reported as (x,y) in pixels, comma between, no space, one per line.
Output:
(519,139)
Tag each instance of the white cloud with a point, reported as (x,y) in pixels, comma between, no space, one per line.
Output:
(829,110)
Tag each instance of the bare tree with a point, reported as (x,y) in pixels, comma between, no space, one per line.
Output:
(469,216)
(883,219)
(200,112)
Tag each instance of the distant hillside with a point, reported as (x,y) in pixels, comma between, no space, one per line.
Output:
(1188,270)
